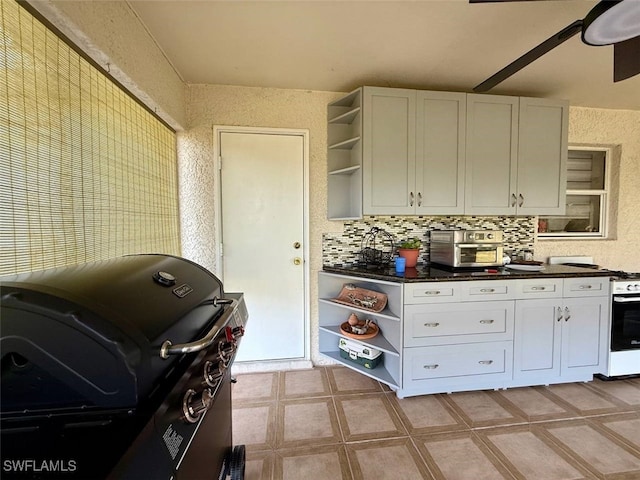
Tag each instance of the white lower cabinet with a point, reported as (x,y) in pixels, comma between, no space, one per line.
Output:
(440,337)
(563,339)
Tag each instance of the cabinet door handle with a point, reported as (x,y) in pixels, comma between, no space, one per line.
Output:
(520,200)
(487,322)
(419,199)
(411,199)
(485,362)
(431,367)
(432,292)
(433,324)
(514,199)
(559,317)
(487,290)
(567,315)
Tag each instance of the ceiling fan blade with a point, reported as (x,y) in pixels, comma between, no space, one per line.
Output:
(626,59)
(498,1)
(532,55)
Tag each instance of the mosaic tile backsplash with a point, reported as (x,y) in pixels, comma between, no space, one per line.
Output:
(342,249)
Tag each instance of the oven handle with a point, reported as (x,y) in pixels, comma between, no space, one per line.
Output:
(168,348)
(626,299)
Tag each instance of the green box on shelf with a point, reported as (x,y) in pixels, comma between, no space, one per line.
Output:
(361,354)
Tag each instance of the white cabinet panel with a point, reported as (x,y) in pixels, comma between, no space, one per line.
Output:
(457,367)
(537,339)
(542,156)
(440,152)
(492,149)
(458,323)
(388,151)
(584,336)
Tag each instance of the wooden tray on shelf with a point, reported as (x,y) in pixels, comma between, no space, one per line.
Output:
(362,298)
(372,331)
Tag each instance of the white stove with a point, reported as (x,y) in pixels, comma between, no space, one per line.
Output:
(624,353)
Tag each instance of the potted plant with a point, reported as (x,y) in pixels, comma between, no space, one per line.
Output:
(410,250)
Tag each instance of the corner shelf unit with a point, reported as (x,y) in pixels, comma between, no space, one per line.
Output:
(344,157)
(389,340)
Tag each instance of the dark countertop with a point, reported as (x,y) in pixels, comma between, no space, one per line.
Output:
(427,273)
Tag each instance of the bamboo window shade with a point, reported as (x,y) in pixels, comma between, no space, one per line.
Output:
(86,172)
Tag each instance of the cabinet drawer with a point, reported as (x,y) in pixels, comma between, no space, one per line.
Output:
(432,292)
(458,361)
(586,287)
(458,323)
(539,288)
(479,291)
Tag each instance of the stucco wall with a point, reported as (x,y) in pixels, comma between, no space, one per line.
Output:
(209,105)
(619,128)
(113,36)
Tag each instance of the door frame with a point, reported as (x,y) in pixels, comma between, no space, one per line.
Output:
(218,130)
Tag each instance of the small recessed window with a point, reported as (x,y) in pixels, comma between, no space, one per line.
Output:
(587,197)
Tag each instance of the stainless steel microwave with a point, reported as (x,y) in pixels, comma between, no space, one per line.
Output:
(467,248)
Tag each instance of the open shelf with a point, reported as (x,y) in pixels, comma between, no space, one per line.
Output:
(379,373)
(347,117)
(378,342)
(386,313)
(345,144)
(345,171)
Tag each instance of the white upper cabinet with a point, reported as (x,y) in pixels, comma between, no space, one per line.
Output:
(492,155)
(388,154)
(516,155)
(440,153)
(413,152)
(542,156)
(398,151)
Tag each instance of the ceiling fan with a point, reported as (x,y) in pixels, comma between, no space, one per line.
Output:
(610,22)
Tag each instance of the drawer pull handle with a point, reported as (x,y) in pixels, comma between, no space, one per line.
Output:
(585,287)
(485,362)
(431,367)
(434,324)
(487,322)
(538,288)
(432,292)
(487,290)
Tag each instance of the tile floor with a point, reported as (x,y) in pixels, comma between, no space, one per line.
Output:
(332,423)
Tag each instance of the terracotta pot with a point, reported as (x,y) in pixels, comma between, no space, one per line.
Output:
(411,255)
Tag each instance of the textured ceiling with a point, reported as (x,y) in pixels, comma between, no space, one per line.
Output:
(426,44)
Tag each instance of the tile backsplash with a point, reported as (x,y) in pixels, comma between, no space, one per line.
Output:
(340,249)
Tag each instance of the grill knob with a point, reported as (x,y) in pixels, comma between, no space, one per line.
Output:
(213,372)
(238,332)
(195,403)
(225,352)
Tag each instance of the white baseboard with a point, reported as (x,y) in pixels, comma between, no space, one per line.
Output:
(269,366)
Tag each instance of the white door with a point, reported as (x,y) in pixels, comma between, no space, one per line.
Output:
(262,233)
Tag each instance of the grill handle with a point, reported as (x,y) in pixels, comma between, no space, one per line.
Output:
(168,348)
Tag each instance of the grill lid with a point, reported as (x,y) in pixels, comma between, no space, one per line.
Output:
(90,335)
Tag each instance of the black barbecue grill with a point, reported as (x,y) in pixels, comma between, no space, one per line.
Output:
(119,369)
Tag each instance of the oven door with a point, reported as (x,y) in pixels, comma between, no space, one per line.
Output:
(478,255)
(625,323)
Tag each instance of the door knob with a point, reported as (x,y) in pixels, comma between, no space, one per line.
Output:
(296,244)
(297,261)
